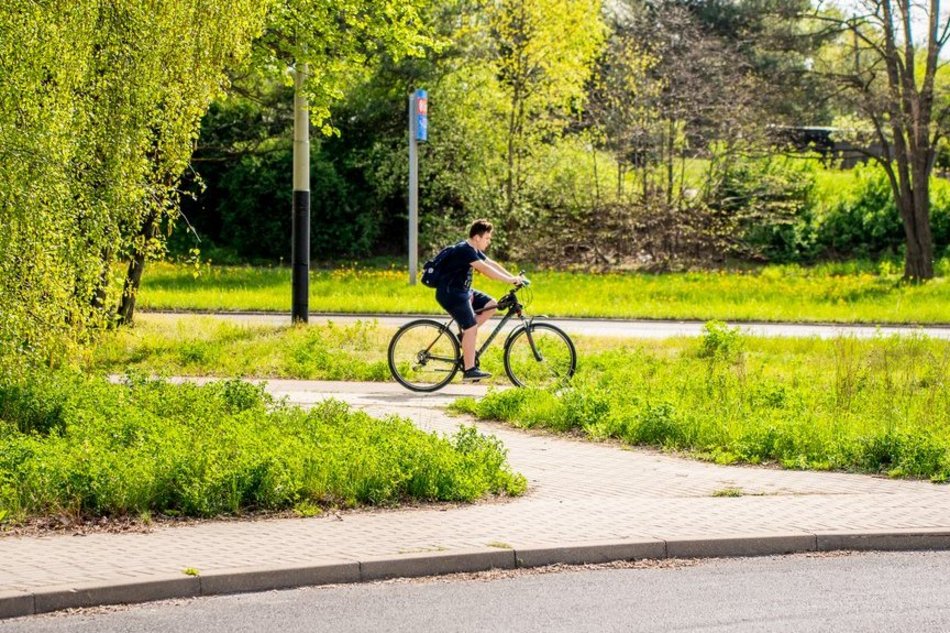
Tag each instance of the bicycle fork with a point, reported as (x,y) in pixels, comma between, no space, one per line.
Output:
(534,348)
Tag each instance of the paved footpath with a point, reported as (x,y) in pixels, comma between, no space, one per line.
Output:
(619,328)
(587,502)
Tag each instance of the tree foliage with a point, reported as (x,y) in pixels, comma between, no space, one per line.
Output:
(541,87)
(637,133)
(99,105)
(338,40)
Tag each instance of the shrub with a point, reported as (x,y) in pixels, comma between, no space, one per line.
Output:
(769,201)
(223,448)
(864,220)
(720,341)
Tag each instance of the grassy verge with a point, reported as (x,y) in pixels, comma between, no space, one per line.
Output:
(205,346)
(880,405)
(846,293)
(877,406)
(85,447)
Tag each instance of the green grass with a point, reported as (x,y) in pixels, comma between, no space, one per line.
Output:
(843,293)
(878,406)
(85,447)
(206,346)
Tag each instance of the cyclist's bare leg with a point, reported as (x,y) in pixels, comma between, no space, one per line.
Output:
(487,312)
(469,338)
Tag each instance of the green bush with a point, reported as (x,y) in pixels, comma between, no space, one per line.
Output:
(767,203)
(223,448)
(720,341)
(862,221)
(241,208)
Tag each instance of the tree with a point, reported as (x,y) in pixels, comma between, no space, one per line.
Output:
(463,167)
(652,110)
(99,105)
(339,40)
(888,77)
(543,52)
(770,38)
(335,41)
(188,73)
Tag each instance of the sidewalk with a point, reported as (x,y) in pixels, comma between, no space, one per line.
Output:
(619,328)
(586,503)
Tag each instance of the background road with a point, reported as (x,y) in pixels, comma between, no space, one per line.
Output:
(596,327)
(809,593)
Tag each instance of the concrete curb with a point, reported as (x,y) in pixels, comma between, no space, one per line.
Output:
(741,545)
(15,603)
(94,594)
(897,540)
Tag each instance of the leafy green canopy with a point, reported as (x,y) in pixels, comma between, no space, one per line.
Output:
(99,106)
(337,40)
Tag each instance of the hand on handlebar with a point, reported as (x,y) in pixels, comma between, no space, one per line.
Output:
(522,281)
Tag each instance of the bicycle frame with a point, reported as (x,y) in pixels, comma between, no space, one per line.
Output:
(514,310)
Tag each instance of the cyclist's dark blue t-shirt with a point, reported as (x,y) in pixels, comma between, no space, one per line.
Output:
(457,266)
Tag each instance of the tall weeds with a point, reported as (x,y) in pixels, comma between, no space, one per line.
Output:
(880,405)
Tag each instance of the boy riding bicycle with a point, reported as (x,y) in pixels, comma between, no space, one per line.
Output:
(470,308)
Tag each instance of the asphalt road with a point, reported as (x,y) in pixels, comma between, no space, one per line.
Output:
(601,327)
(839,592)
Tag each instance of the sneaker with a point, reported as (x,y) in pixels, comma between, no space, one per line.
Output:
(474,375)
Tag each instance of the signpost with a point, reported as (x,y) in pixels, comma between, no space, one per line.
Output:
(418,133)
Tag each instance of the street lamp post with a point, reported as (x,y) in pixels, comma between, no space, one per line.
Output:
(300,254)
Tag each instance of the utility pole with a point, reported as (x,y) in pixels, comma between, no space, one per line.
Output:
(418,132)
(300,254)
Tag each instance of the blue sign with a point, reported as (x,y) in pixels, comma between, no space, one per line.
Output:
(422,115)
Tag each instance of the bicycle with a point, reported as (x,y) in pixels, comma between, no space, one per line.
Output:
(425,354)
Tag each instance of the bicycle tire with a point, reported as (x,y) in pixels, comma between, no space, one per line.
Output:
(558,362)
(424,355)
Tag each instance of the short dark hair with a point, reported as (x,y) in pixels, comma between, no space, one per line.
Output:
(480,227)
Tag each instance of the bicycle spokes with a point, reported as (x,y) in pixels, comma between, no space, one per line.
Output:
(539,355)
(423,355)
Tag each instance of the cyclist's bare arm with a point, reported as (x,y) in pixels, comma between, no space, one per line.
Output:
(498,267)
(518,279)
(495,271)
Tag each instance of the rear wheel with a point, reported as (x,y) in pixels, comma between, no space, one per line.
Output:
(424,355)
(539,355)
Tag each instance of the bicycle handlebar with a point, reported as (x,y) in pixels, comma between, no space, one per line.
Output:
(525,281)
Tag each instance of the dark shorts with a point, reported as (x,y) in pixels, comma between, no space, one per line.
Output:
(462,304)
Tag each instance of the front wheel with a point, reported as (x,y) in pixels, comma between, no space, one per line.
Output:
(539,355)
(424,355)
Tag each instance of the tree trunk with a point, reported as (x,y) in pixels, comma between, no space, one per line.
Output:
(515,127)
(669,163)
(133,277)
(619,180)
(915,214)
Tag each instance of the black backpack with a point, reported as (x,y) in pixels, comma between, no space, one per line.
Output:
(432,269)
